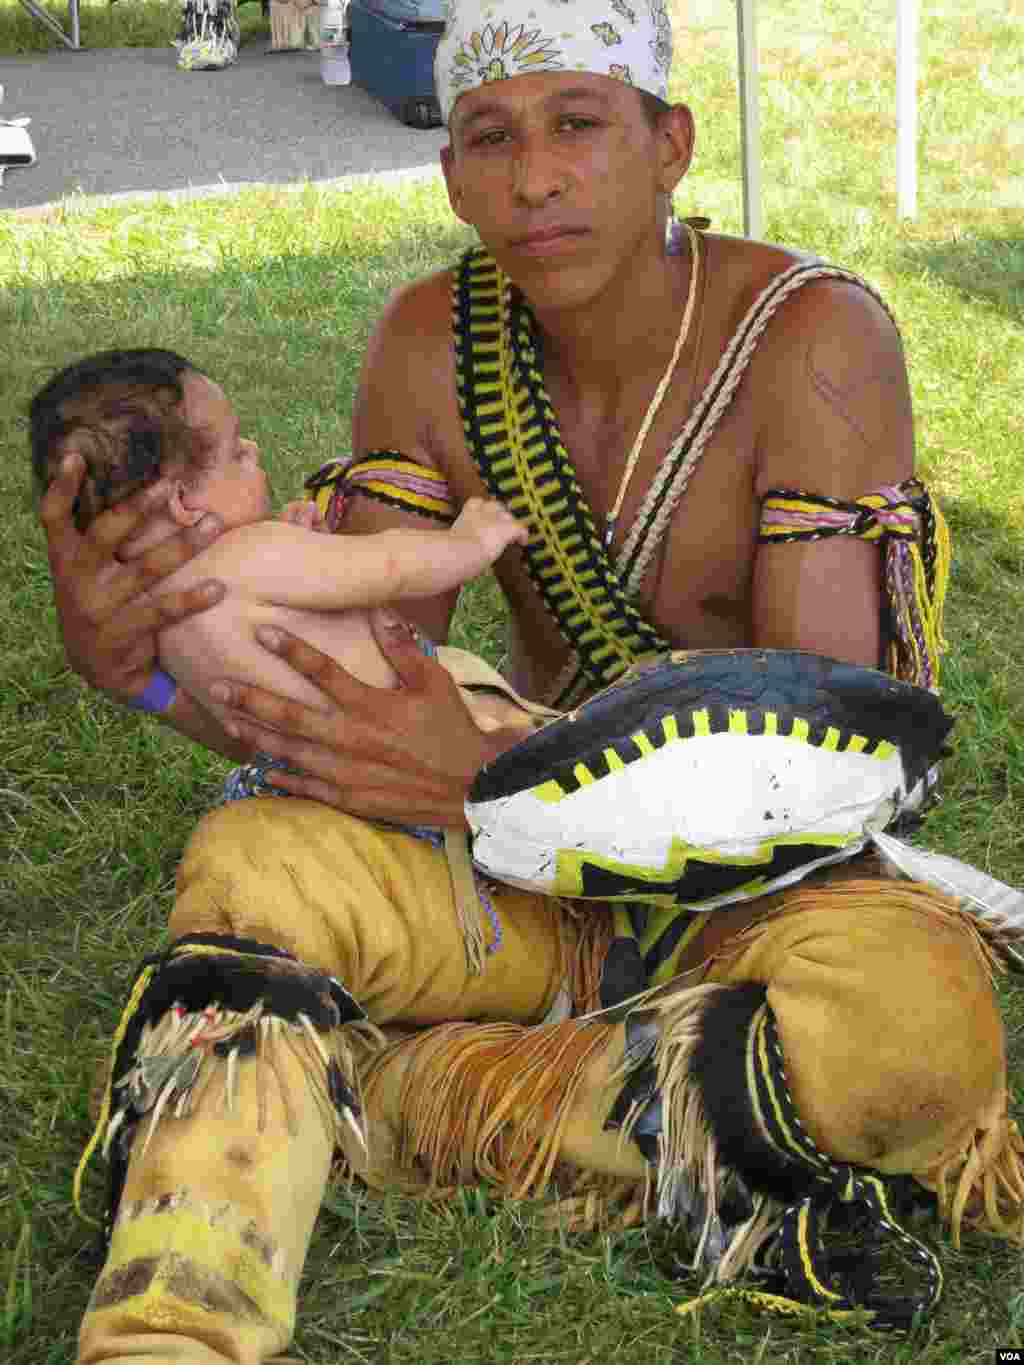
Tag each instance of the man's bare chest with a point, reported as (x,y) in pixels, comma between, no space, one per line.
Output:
(688,508)
(695,588)
(681,523)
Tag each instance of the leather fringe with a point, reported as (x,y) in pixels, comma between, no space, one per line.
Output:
(984,1187)
(688,1157)
(488,1101)
(596,1203)
(589,930)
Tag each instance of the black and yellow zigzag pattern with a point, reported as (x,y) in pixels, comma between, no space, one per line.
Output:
(700,721)
(513,436)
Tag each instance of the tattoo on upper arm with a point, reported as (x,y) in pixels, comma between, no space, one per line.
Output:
(849,401)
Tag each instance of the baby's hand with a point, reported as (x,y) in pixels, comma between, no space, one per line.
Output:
(304,514)
(491,525)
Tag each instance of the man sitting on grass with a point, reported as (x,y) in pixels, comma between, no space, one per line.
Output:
(710,444)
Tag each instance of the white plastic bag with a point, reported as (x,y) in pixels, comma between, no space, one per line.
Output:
(15,145)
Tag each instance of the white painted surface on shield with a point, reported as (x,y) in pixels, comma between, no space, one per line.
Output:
(727,793)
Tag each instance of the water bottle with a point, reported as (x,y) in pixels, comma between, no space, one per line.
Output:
(334,63)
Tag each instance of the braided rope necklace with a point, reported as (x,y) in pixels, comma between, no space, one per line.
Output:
(660,391)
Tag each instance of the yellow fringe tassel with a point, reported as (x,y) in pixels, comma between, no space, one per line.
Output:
(597,1203)
(467,901)
(587,940)
(985,1186)
(906,659)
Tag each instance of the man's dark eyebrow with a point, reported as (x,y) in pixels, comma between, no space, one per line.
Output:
(558,97)
(482,111)
(578,92)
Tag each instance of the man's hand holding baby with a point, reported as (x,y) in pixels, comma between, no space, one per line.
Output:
(108,619)
(408,754)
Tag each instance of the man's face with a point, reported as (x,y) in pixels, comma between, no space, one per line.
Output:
(224,474)
(562,176)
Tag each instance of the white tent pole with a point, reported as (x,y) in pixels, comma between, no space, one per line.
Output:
(750,129)
(906,107)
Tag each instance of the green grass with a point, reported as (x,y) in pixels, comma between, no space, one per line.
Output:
(274,293)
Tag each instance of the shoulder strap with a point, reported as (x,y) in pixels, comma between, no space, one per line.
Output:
(513,436)
(684,455)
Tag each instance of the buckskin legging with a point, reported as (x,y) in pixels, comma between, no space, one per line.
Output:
(883,1001)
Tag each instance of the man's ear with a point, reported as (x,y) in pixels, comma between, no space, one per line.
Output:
(451,180)
(675,137)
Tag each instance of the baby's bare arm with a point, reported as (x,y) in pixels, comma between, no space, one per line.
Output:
(285,564)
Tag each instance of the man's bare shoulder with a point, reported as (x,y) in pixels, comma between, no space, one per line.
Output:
(829,393)
(748,266)
(406,397)
(825,307)
(417,312)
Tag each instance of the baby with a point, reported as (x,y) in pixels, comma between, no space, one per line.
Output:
(135,416)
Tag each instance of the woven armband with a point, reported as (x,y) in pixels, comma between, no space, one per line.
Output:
(386,476)
(906,522)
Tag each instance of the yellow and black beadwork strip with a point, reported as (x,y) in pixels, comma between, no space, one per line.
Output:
(515,442)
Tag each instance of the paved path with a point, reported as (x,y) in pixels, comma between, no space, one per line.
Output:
(126,121)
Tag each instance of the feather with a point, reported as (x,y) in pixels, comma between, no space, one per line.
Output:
(991,901)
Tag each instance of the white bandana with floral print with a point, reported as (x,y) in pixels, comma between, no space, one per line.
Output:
(494,40)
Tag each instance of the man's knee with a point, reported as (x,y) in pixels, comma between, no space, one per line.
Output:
(896,1061)
(887,1020)
(262,868)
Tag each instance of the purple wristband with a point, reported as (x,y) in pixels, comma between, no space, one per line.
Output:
(157,695)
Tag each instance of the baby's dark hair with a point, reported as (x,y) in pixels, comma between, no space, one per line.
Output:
(121,405)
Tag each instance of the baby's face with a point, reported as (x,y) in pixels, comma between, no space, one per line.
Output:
(222,475)
(225,475)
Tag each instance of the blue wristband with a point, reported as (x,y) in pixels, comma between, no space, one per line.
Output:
(157,695)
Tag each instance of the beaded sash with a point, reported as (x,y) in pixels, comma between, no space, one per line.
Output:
(514,439)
